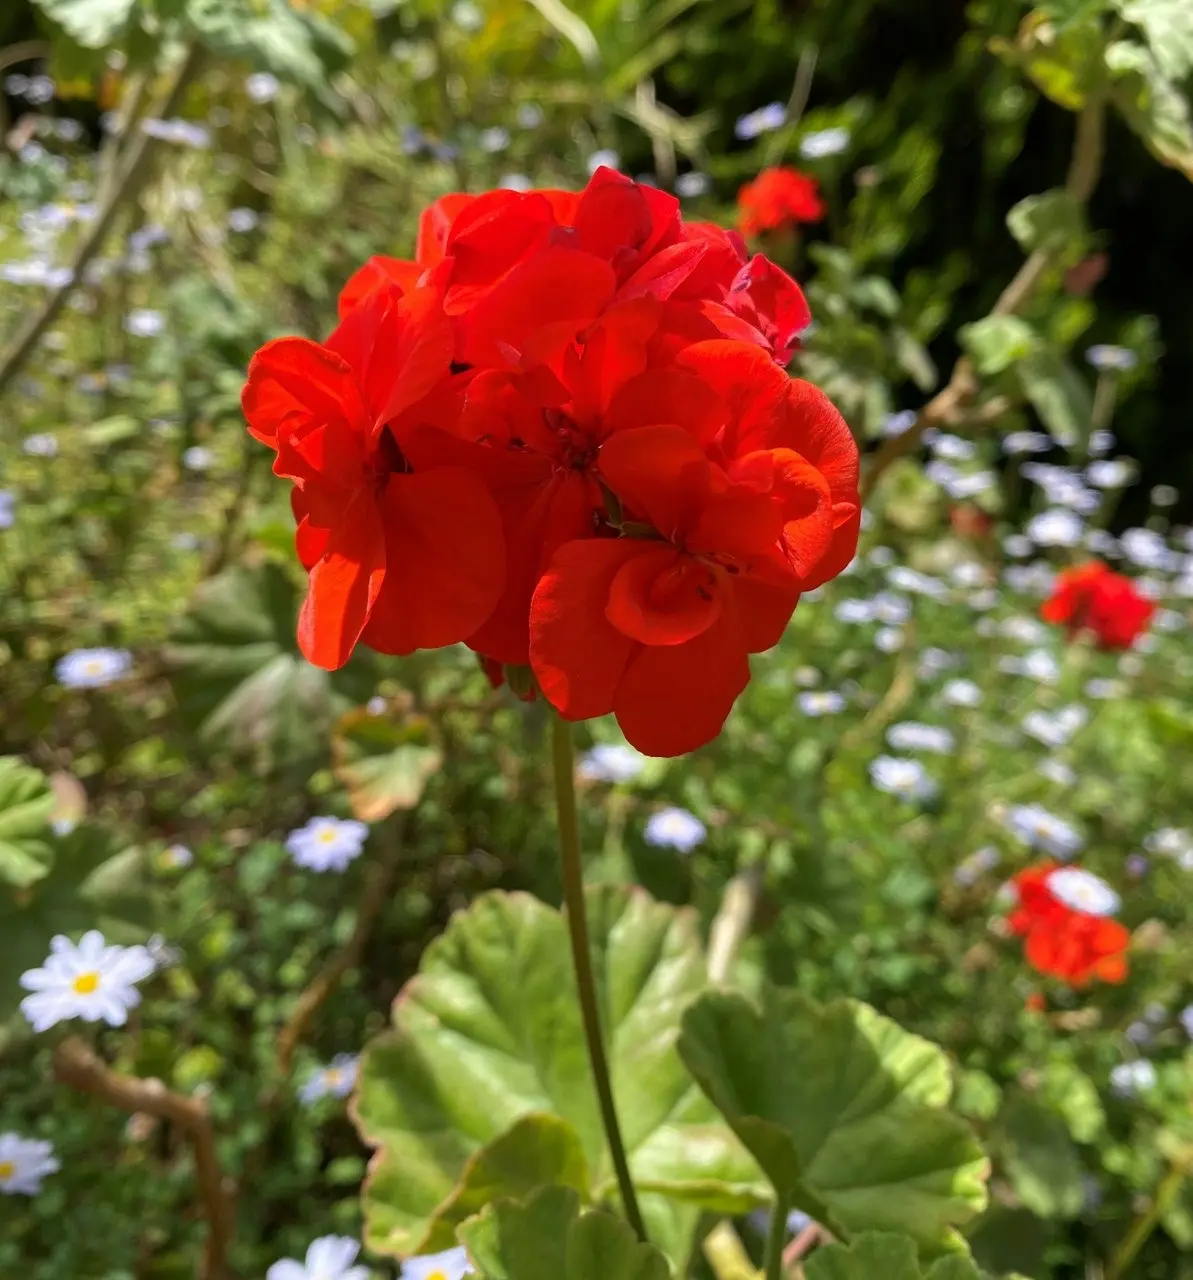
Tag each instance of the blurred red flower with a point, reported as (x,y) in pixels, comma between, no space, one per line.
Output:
(563,434)
(1063,913)
(776,198)
(1094,598)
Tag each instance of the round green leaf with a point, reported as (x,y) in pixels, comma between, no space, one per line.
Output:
(26,803)
(1041,1159)
(383,761)
(489,1033)
(876,1255)
(548,1238)
(842,1109)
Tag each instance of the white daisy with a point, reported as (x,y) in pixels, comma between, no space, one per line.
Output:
(1129,1079)
(610,762)
(92,981)
(961,693)
(825,142)
(327,844)
(23,1164)
(820,702)
(93,668)
(328,1258)
(673,828)
(450,1265)
(1083,891)
(1035,826)
(907,779)
(336,1080)
(910,735)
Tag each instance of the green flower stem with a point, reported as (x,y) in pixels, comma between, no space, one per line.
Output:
(563,758)
(777,1238)
(1137,1237)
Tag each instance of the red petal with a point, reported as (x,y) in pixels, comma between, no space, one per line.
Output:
(662,596)
(659,473)
(435,224)
(675,698)
(816,429)
(344,585)
(445,561)
(801,493)
(377,272)
(577,655)
(764,609)
(300,383)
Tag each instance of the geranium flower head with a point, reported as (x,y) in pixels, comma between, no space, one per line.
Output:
(777,198)
(1093,598)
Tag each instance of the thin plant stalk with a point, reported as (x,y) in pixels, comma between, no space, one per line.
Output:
(563,759)
(776,1239)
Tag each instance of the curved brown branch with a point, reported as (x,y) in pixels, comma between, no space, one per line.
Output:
(950,405)
(77,1065)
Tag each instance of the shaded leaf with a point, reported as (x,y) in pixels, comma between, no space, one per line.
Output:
(548,1238)
(239,677)
(857,1137)
(26,803)
(1058,393)
(879,1256)
(1049,221)
(1151,104)
(489,1032)
(1062,59)
(1040,1159)
(383,761)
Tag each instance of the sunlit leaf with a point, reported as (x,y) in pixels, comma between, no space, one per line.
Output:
(384,761)
(26,803)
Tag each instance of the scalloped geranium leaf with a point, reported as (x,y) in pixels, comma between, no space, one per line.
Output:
(880,1256)
(488,1033)
(26,804)
(548,1238)
(843,1109)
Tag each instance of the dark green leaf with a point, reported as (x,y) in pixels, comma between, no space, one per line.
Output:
(1050,221)
(1058,394)
(26,803)
(879,1256)
(1040,1159)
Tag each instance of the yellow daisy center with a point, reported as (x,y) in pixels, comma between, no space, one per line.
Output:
(326,836)
(332,1077)
(86,984)
(7,1169)
(93,666)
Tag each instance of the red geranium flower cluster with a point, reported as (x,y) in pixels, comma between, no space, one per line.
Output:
(776,198)
(1064,913)
(563,434)
(1094,598)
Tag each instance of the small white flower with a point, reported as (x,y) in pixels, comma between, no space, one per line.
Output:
(1145,548)
(453,1264)
(969,486)
(327,844)
(1020,442)
(1030,579)
(515,182)
(1018,545)
(899,777)
(894,424)
(606,159)
(177,856)
(1054,729)
(328,1258)
(242,220)
(24,1162)
(693,184)
(93,668)
(763,120)
(144,323)
(530,115)
(1057,771)
(1129,1079)
(820,702)
(1038,665)
(825,142)
(1035,826)
(1169,842)
(978,862)
(1056,527)
(1104,356)
(1186,1016)
(494,139)
(891,608)
(934,660)
(888,639)
(41,445)
(954,448)
(907,579)
(674,828)
(262,87)
(197,458)
(377,705)
(854,611)
(611,762)
(910,735)
(1111,473)
(181,133)
(7,502)
(961,693)
(1101,688)
(336,1080)
(89,981)
(1100,442)
(161,953)
(1083,891)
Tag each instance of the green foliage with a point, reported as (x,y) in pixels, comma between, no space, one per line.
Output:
(383,761)
(548,1238)
(26,803)
(95,24)
(892,1257)
(858,1137)
(1040,1159)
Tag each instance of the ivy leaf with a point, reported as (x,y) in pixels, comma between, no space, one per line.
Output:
(1049,221)
(1058,393)
(384,762)
(1151,104)
(297,46)
(1040,1159)
(1168,27)
(489,1033)
(95,24)
(89,886)
(26,803)
(877,1254)
(548,1238)
(1062,59)
(857,1137)
(238,674)
(997,342)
